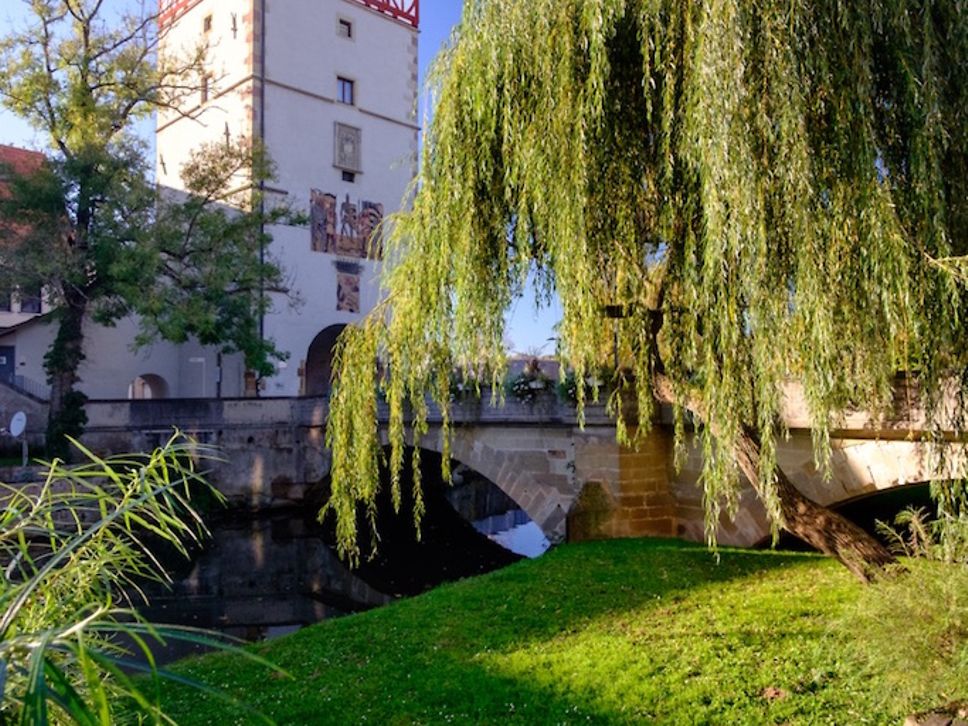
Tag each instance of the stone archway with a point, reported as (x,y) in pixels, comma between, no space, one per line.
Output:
(319,361)
(858,468)
(148,386)
(531,469)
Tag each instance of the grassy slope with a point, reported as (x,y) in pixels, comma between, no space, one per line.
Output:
(612,632)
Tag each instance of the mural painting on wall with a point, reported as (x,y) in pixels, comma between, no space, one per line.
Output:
(345,228)
(348,287)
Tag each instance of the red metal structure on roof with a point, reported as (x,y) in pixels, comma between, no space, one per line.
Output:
(407,11)
(168,10)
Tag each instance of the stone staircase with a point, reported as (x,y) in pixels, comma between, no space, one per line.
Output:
(14,397)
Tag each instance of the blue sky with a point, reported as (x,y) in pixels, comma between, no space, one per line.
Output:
(528,329)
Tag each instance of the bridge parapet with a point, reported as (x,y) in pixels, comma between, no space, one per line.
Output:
(569,480)
(904,415)
(188,413)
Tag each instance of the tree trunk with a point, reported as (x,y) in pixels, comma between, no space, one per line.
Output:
(66,416)
(815,524)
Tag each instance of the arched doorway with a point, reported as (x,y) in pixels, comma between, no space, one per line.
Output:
(319,361)
(148,386)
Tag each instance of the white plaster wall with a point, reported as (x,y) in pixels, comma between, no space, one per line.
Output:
(300,137)
(304,56)
(313,274)
(198,372)
(31,343)
(112,362)
(228,61)
(305,51)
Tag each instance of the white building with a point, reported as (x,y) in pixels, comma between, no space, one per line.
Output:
(331,88)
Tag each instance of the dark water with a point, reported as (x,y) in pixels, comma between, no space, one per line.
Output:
(259,577)
(267,574)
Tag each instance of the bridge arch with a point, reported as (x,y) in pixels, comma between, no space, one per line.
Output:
(519,463)
(859,468)
(866,510)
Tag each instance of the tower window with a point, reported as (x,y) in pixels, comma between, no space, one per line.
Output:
(344,91)
(207,24)
(204,88)
(344,28)
(349,176)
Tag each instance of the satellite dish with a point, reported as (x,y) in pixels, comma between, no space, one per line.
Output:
(18,424)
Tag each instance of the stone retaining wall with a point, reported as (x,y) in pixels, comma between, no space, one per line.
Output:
(12,401)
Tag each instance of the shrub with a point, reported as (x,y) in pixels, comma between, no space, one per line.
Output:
(73,548)
(912,629)
(465,385)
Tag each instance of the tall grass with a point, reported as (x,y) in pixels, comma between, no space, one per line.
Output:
(912,629)
(75,549)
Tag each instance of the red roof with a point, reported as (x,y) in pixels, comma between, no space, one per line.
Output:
(407,11)
(20,161)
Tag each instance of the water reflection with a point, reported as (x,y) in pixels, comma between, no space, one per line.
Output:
(515,531)
(259,577)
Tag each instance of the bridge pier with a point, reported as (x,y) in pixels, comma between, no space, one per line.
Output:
(623,492)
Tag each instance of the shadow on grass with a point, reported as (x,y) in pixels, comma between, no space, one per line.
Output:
(432,658)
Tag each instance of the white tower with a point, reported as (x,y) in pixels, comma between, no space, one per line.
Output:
(331,88)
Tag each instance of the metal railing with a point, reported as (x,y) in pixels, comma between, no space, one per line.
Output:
(28,386)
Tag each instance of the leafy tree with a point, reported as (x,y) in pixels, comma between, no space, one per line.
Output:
(92,225)
(768,192)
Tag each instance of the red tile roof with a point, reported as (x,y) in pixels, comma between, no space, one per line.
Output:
(19,161)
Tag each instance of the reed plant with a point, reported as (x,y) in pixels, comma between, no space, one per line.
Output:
(76,548)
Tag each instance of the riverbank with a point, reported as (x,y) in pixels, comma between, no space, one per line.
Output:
(633,631)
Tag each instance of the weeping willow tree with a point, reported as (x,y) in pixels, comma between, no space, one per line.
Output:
(772,192)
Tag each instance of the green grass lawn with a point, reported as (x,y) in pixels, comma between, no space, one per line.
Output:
(634,631)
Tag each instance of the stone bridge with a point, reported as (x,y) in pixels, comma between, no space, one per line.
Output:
(573,482)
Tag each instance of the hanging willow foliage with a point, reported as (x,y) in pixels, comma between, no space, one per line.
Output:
(775,190)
